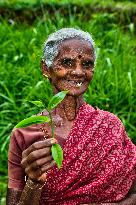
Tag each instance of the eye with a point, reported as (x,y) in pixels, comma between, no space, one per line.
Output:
(88,64)
(68,62)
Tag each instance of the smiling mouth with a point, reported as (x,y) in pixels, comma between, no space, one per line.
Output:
(77,83)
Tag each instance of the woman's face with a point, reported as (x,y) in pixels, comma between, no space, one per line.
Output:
(72,69)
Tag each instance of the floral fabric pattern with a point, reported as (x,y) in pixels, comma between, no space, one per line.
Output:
(99,162)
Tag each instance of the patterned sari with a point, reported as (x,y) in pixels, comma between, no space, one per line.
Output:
(99,162)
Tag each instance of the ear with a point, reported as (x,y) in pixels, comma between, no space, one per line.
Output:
(45,69)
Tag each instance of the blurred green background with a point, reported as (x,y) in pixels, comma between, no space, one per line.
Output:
(25,25)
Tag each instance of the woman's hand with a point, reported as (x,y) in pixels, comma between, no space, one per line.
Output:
(37,160)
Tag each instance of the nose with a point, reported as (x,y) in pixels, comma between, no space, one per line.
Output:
(78,71)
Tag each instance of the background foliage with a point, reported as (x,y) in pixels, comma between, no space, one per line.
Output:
(21,39)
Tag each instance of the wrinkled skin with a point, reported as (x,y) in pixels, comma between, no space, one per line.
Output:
(35,156)
(72,70)
(73,65)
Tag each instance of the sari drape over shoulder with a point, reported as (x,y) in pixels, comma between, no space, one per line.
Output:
(99,162)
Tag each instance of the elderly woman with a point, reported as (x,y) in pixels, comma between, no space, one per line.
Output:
(99,165)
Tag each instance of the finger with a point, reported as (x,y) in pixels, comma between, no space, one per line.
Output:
(35,175)
(47,167)
(43,177)
(41,162)
(33,156)
(38,145)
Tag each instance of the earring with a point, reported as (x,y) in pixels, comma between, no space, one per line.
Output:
(46,76)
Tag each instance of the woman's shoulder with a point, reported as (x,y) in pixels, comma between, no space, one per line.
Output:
(106,118)
(26,136)
(105,115)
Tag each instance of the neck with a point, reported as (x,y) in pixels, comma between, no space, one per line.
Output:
(68,108)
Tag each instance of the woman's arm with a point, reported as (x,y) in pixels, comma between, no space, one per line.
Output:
(36,161)
(13,196)
(31,193)
(27,197)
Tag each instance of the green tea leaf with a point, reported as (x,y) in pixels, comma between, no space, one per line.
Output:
(38,103)
(56,99)
(32,120)
(57,154)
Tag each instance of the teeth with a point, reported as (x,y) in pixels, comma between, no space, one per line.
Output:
(79,84)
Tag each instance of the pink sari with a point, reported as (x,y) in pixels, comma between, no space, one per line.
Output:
(99,162)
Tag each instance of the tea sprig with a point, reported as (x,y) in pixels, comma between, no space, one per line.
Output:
(56,150)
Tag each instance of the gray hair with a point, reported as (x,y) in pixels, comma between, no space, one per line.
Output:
(51,46)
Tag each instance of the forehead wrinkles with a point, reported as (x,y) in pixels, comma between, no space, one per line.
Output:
(74,49)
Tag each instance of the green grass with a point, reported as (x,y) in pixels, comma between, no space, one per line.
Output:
(123,5)
(27,11)
(113,87)
(79,2)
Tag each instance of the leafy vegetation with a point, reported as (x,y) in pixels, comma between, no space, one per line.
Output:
(56,150)
(25,10)
(113,87)
(28,4)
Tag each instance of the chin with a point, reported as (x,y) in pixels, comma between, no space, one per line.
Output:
(76,93)
(73,91)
